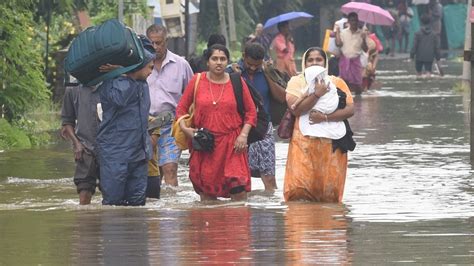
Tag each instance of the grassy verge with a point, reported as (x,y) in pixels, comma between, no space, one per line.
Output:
(35,128)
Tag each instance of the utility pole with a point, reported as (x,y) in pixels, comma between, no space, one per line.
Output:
(120,10)
(466,68)
(232,33)
(468,56)
(187,26)
(222,21)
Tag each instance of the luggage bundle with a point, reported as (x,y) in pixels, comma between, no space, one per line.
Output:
(108,43)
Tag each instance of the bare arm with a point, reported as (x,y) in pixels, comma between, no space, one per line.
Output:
(188,131)
(365,47)
(240,144)
(338,37)
(336,116)
(67,132)
(375,61)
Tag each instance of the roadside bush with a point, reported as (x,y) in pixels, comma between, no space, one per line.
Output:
(12,137)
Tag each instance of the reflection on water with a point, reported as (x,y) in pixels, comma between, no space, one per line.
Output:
(317,234)
(301,233)
(408,199)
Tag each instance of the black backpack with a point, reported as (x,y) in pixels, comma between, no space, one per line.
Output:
(256,133)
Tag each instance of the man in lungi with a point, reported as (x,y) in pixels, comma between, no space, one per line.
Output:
(352,41)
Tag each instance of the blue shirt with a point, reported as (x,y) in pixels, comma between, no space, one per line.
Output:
(259,82)
(122,134)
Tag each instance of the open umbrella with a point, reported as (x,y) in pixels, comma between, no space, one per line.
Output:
(368,13)
(295,20)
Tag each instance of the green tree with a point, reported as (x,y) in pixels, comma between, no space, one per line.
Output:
(22,85)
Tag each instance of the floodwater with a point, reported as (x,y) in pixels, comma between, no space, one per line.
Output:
(409,198)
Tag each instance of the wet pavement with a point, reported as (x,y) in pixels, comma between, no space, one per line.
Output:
(408,199)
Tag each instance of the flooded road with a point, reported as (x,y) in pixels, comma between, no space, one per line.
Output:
(409,198)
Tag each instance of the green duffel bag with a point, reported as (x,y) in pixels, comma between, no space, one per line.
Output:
(108,43)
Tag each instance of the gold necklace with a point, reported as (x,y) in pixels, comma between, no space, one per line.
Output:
(215,102)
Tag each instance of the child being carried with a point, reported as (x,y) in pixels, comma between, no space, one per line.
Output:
(326,104)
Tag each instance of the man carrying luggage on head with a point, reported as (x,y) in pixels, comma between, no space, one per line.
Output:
(123,142)
(170,76)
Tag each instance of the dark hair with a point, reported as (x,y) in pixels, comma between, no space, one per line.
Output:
(155,28)
(216,39)
(147,57)
(282,24)
(352,15)
(146,43)
(425,19)
(312,49)
(217,47)
(254,51)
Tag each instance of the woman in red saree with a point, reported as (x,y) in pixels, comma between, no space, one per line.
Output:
(224,172)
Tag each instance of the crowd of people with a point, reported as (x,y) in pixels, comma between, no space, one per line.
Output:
(354,48)
(121,130)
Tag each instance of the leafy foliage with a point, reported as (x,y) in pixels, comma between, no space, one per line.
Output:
(22,83)
(248,12)
(12,137)
(102,10)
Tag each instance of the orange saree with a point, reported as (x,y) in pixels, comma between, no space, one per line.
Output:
(313,171)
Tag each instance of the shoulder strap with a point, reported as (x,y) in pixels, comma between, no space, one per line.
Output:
(237,86)
(196,83)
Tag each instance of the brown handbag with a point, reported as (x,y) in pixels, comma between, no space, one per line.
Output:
(287,123)
(177,133)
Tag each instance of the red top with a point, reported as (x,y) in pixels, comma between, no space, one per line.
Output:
(215,173)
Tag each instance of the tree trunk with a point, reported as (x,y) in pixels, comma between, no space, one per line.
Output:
(232,33)
(222,21)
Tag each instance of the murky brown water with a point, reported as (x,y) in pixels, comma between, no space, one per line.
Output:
(409,199)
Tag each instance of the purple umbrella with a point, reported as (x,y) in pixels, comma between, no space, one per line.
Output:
(295,20)
(368,13)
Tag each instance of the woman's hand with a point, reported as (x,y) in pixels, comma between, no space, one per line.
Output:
(241,143)
(317,117)
(189,132)
(321,88)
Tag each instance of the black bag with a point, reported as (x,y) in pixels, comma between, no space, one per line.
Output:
(346,143)
(110,42)
(256,133)
(203,140)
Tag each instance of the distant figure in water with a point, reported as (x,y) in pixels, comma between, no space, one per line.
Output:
(425,48)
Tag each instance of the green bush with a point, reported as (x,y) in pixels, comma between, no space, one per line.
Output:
(22,83)
(12,137)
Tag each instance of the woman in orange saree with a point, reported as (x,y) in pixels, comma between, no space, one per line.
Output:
(315,171)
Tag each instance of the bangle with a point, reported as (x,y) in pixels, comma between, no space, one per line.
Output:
(326,116)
